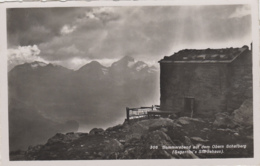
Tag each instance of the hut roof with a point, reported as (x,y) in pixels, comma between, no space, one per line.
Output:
(225,55)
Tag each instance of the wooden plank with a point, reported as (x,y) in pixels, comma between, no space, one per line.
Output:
(161,112)
(140,116)
(134,109)
(146,107)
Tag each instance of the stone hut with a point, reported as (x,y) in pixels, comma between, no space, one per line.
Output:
(206,81)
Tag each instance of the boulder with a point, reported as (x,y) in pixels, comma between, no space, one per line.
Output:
(58,138)
(187,141)
(96,131)
(198,139)
(188,120)
(136,131)
(111,149)
(155,123)
(112,145)
(205,130)
(164,130)
(65,138)
(173,116)
(162,122)
(183,121)
(244,114)
(34,149)
(32,152)
(223,121)
(146,147)
(115,128)
(140,128)
(73,136)
(159,138)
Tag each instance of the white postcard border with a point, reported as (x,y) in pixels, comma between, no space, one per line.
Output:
(4,86)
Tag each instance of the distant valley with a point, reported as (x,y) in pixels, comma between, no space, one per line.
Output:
(45,99)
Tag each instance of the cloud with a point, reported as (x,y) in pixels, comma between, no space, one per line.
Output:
(77,44)
(241,11)
(66,29)
(90,15)
(104,14)
(79,35)
(23,54)
(73,63)
(29,26)
(69,50)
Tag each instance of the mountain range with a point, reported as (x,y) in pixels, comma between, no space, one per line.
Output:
(45,98)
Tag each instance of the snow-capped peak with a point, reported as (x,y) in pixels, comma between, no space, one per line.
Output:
(138,66)
(141,67)
(125,61)
(38,64)
(130,63)
(152,69)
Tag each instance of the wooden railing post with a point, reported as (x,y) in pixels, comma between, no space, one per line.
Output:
(192,106)
(127,114)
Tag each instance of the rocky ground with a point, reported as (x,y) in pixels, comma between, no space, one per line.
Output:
(144,139)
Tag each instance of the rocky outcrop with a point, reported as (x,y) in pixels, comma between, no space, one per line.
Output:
(96,131)
(244,114)
(187,120)
(243,117)
(223,120)
(144,139)
(65,138)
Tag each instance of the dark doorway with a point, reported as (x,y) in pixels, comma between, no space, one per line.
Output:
(189,103)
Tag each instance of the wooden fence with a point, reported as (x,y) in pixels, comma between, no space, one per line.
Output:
(141,112)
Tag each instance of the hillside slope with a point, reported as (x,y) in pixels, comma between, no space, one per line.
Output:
(161,138)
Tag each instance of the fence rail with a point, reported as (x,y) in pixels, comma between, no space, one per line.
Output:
(141,112)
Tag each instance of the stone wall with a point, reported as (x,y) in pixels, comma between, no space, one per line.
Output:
(240,82)
(207,83)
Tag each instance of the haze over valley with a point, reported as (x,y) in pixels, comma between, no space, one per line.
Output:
(53,98)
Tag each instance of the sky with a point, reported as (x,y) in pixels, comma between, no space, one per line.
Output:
(72,37)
